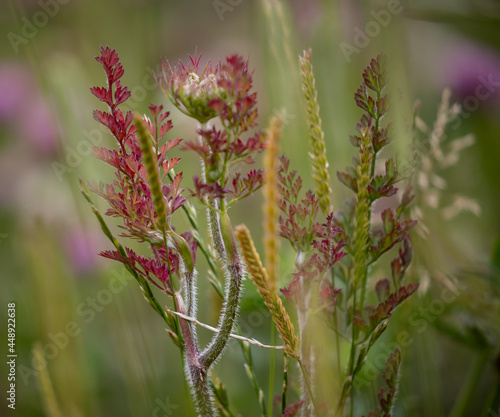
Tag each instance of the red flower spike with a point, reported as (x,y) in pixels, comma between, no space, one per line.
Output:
(129,195)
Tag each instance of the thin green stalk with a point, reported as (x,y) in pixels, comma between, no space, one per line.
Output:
(467,391)
(363,289)
(337,337)
(285,383)
(353,351)
(181,350)
(271,372)
(224,407)
(493,399)
(49,399)
(260,394)
(308,385)
(250,371)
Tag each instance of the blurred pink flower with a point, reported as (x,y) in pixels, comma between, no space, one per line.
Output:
(14,85)
(307,14)
(24,110)
(473,71)
(81,247)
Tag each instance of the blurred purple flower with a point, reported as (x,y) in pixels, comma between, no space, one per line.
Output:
(473,71)
(307,14)
(14,85)
(24,110)
(81,246)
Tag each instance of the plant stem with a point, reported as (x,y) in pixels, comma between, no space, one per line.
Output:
(337,337)
(271,372)
(308,385)
(353,351)
(191,215)
(249,368)
(467,391)
(234,270)
(285,383)
(202,391)
(195,371)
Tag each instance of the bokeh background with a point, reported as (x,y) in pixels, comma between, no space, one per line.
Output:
(82,323)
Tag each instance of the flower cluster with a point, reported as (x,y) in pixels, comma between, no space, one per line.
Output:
(346,297)
(130,195)
(318,245)
(191,90)
(146,192)
(362,237)
(222,91)
(334,253)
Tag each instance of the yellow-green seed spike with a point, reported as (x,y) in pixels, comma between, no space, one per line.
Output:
(259,276)
(316,135)
(271,199)
(362,212)
(149,161)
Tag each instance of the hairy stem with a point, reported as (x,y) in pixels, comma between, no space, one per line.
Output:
(195,372)
(234,271)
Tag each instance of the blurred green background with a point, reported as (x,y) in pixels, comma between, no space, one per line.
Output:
(105,350)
